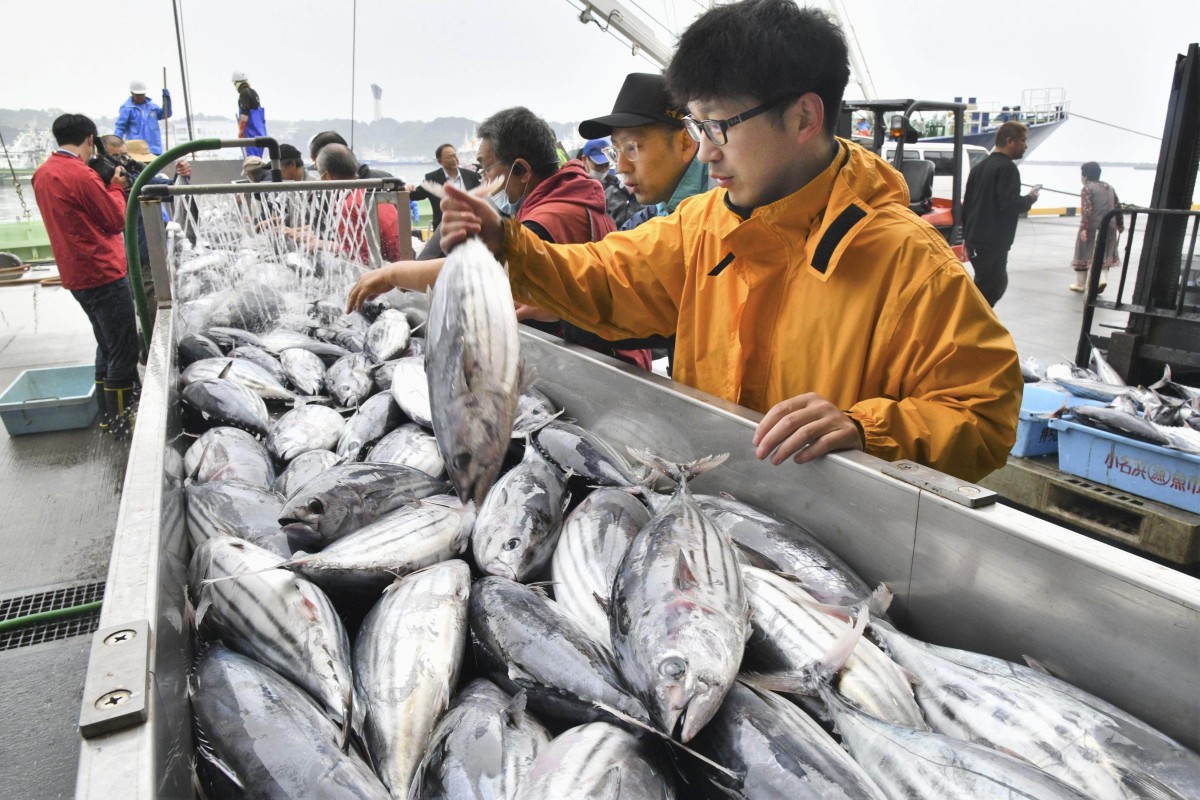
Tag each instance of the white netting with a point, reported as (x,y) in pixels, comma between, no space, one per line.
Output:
(256,260)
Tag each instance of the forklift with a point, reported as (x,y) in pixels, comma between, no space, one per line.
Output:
(945,214)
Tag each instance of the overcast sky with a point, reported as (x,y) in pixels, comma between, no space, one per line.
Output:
(469,58)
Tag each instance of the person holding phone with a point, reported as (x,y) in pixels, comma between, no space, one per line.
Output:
(991,206)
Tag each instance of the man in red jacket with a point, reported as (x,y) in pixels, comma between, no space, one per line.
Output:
(85,220)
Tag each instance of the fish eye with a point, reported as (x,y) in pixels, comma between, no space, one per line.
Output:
(673,667)
(316,506)
(512,544)
(462,461)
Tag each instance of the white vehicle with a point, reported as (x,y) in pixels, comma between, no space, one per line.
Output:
(942,156)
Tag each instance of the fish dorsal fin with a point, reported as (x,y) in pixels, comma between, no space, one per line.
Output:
(685,579)
(516,709)
(601,601)
(224,373)
(1036,665)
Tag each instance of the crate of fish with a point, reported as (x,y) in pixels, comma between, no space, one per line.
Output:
(1146,470)
(1035,437)
(50,399)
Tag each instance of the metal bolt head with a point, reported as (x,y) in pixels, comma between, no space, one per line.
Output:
(904,466)
(120,637)
(111,700)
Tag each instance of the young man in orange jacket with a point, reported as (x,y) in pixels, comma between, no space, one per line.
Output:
(802,287)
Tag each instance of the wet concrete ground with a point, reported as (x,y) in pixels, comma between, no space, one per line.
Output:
(58,507)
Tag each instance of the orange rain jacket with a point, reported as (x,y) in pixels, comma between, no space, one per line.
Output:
(837,289)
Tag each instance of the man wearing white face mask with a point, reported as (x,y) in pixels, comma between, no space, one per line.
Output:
(560,205)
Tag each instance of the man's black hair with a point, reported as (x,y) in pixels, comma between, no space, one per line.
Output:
(437,156)
(321,139)
(1091,171)
(519,133)
(73,129)
(289,155)
(338,162)
(763,49)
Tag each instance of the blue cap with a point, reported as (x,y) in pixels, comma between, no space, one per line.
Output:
(594,149)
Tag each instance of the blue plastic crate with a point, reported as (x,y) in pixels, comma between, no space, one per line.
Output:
(1035,437)
(50,399)
(1147,470)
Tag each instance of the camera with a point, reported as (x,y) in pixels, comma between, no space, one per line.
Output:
(106,165)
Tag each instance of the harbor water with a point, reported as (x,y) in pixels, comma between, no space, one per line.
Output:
(1060,185)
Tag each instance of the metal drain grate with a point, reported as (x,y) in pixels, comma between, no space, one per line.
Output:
(51,630)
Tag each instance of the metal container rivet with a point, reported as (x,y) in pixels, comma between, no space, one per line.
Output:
(112,699)
(120,637)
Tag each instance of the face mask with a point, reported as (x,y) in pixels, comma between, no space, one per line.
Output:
(598,174)
(500,199)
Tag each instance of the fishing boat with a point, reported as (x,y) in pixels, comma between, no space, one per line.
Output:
(1042,111)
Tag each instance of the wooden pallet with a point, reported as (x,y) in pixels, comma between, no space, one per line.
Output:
(1144,525)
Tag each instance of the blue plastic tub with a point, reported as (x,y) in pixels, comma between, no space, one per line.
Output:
(1147,470)
(50,399)
(1035,437)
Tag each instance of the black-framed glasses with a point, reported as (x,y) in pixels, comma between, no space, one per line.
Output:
(629,150)
(717,130)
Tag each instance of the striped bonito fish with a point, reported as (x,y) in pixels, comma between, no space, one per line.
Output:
(410,388)
(256,728)
(304,429)
(229,454)
(276,617)
(524,641)
(1075,736)
(472,365)
(909,763)
(520,519)
(388,335)
(786,547)
(302,469)
(406,661)
(240,371)
(678,615)
(793,634)
(482,748)
(373,420)
(304,369)
(416,536)
(226,508)
(346,497)
(597,760)
(775,750)
(594,539)
(411,446)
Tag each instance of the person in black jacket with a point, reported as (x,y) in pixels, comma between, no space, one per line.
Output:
(450,173)
(991,205)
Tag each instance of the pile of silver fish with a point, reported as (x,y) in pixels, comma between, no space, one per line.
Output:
(414,577)
(1166,413)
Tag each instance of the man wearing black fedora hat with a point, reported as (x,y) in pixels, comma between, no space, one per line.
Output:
(650,149)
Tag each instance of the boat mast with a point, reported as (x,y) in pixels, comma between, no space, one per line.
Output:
(613,16)
(859,73)
(183,71)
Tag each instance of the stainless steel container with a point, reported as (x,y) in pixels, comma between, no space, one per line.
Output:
(993,580)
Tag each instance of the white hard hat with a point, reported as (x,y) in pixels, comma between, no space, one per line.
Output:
(137,87)
(239,76)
